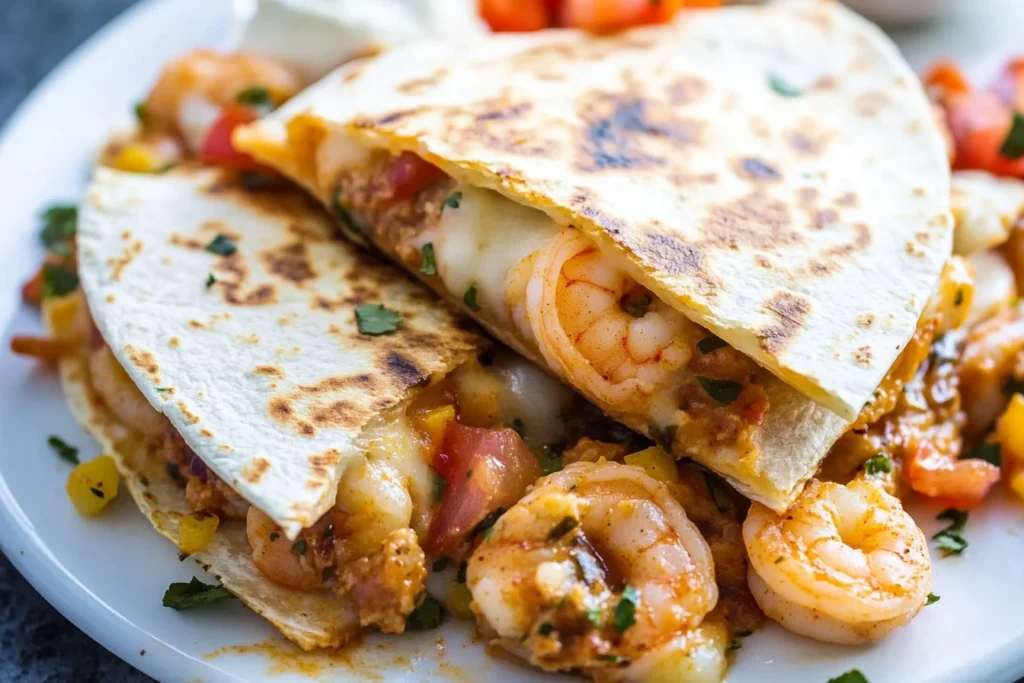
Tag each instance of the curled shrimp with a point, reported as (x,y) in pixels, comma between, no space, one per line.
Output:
(845,565)
(600,326)
(993,355)
(599,568)
(121,396)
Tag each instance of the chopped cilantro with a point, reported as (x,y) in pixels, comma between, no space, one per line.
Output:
(613,658)
(300,546)
(596,616)
(567,524)
(782,87)
(624,614)
(343,214)
(878,464)
(210,280)
(932,599)
(429,266)
(950,540)
(718,494)
(469,298)
(255,96)
(469,474)
(97,492)
(722,390)
(550,458)
(440,484)
(63,449)
(989,451)
(779,559)
(734,645)
(60,224)
(374,320)
(1013,143)
(222,246)
(426,616)
(851,676)
(709,344)
(452,201)
(545,628)
(58,280)
(440,564)
(182,596)
(638,307)
(959,298)
(140,113)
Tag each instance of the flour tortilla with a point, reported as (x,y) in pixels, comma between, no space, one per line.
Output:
(264,372)
(773,172)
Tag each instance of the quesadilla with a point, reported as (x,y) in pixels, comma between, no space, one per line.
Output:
(721,231)
(237,361)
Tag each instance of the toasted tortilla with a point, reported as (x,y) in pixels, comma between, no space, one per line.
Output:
(262,370)
(774,172)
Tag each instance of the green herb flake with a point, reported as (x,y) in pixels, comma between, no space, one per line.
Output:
(469,474)
(256,96)
(638,307)
(440,484)
(779,559)
(878,464)
(932,599)
(545,628)
(140,113)
(567,524)
(989,451)
(718,493)
(614,659)
(722,390)
(182,596)
(469,298)
(60,225)
(1013,143)
(709,344)
(440,564)
(222,246)
(550,458)
(950,540)
(959,298)
(734,645)
(624,614)
(97,492)
(210,280)
(374,320)
(452,201)
(58,280)
(343,214)
(743,634)
(63,449)
(426,617)
(596,616)
(429,265)
(300,547)
(782,87)
(851,676)
(274,535)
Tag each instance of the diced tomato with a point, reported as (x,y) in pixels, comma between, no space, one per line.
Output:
(1009,86)
(945,78)
(515,15)
(604,16)
(411,173)
(32,290)
(955,483)
(979,122)
(485,469)
(217,147)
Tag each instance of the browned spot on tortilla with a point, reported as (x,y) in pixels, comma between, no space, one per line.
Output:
(189,416)
(280,410)
(861,241)
(848,199)
(754,220)
(259,296)
(824,218)
(507,111)
(337,414)
(870,103)
(206,432)
(143,360)
(672,255)
(289,262)
(322,464)
(763,261)
(339,383)
(865,320)
(121,262)
(684,179)
(353,71)
(863,355)
(253,471)
(126,235)
(174,342)
(402,370)
(686,90)
(752,168)
(269,371)
(790,310)
(309,231)
(384,119)
(187,242)
(110,298)
(808,195)
(419,85)
(820,268)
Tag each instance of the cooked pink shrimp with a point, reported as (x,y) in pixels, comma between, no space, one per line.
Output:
(845,564)
(121,396)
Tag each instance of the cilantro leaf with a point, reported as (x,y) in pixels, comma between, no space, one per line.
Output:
(469,298)
(440,484)
(1013,143)
(950,540)
(256,96)
(343,214)
(181,596)
(63,449)
(624,614)
(932,599)
(375,320)
(638,308)
(452,201)
(426,616)
(878,464)
(429,266)
(782,87)
(550,458)
(210,280)
(851,676)
(718,494)
(60,224)
(709,344)
(58,280)
(722,390)
(989,451)
(567,524)
(222,246)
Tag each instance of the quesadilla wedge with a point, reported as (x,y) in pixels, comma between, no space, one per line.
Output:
(237,361)
(671,219)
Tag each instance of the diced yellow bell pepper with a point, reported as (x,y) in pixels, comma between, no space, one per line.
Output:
(1011,429)
(477,392)
(657,463)
(433,423)
(1017,484)
(136,158)
(60,313)
(92,485)
(457,601)
(195,531)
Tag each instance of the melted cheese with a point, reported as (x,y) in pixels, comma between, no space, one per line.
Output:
(482,240)
(529,394)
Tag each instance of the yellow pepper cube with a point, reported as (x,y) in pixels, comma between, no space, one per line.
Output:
(195,531)
(657,463)
(477,392)
(135,158)
(1011,428)
(1017,484)
(434,423)
(457,600)
(61,312)
(92,485)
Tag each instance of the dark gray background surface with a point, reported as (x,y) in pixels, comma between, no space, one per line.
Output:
(36,642)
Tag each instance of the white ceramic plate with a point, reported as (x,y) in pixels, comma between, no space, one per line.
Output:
(108,575)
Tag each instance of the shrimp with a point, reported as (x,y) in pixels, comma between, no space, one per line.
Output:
(993,356)
(598,325)
(845,565)
(121,396)
(599,568)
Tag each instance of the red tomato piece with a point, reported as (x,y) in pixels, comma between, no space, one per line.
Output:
(217,147)
(979,122)
(955,483)
(514,15)
(946,78)
(604,16)
(411,173)
(485,469)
